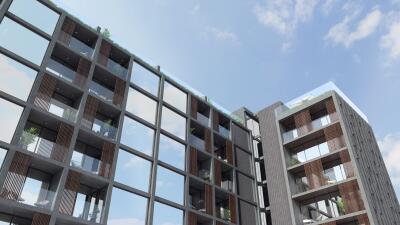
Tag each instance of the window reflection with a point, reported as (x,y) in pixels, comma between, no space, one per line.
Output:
(137,136)
(133,170)
(171,152)
(14,74)
(145,79)
(173,123)
(127,208)
(35,13)
(3,153)
(169,185)
(175,97)
(164,214)
(141,106)
(9,114)
(22,41)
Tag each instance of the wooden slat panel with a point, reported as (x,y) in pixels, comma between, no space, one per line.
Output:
(215,120)
(82,72)
(333,136)
(107,157)
(63,140)
(363,220)
(67,28)
(119,91)
(217,172)
(90,112)
(16,175)
(207,140)
(40,219)
(346,161)
(193,107)
(232,207)
(229,152)
(208,199)
(105,50)
(192,219)
(68,197)
(330,223)
(193,169)
(46,90)
(330,106)
(302,121)
(351,196)
(314,174)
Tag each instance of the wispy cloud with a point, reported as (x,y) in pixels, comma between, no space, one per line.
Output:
(340,33)
(285,15)
(390,148)
(222,35)
(327,6)
(390,41)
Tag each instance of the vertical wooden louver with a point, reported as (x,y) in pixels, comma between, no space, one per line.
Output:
(193,169)
(347,166)
(68,197)
(215,121)
(208,204)
(232,208)
(82,72)
(333,136)
(107,157)
(207,140)
(16,175)
(63,140)
(105,50)
(351,196)
(314,174)
(330,223)
(229,151)
(217,172)
(331,109)
(363,219)
(90,112)
(302,121)
(119,91)
(46,90)
(40,219)
(193,107)
(192,219)
(67,29)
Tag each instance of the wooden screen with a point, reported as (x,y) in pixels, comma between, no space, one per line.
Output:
(302,121)
(119,91)
(363,220)
(232,208)
(351,196)
(90,112)
(82,72)
(193,169)
(215,120)
(314,174)
(40,219)
(217,172)
(334,137)
(192,219)
(346,161)
(68,29)
(63,140)
(46,90)
(208,199)
(229,151)
(207,140)
(193,107)
(107,157)
(69,193)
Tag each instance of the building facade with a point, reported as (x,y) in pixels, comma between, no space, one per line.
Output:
(92,134)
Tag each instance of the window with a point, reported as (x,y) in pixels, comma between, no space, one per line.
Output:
(22,41)
(173,123)
(145,79)
(171,152)
(175,96)
(127,208)
(169,185)
(137,136)
(243,161)
(245,187)
(9,117)
(14,74)
(133,170)
(141,106)
(3,153)
(164,214)
(35,13)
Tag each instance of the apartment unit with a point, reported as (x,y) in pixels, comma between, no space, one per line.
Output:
(92,134)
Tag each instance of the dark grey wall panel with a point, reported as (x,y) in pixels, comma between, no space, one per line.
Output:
(247,213)
(240,137)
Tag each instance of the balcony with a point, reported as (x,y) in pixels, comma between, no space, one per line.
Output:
(200,196)
(62,110)
(221,124)
(101,91)
(203,120)
(223,149)
(225,206)
(223,176)
(33,194)
(88,163)
(200,111)
(200,164)
(113,66)
(76,45)
(196,142)
(65,73)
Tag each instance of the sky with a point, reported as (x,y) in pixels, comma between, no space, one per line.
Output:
(255,52)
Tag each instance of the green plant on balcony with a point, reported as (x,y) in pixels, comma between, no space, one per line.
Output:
(341,206)
(294,161)
(105,33)
(225,214)
(28,136)
(205,175)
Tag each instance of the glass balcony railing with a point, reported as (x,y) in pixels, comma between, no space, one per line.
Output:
(196,142)
(314,125)
(33,195)
(113,66)
(65,73)
(62,110)
(104,93)
(88,163)
(224,214)
(203,119)
(88,208)
(224,132)
(104,128)
(76,45)
(33,143)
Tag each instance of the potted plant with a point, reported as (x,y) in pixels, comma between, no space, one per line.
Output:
(294,161)
(28,136)
(341,206)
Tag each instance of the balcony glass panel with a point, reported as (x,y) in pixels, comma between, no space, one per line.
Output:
(33,143)
(76,45)
(62,110)
(88,163)
(203,119)
(114,67)
(225,132)
(310,153)
(196,142)
(101,91)
(9,114)
(104,128)
(88,207)
(64,72)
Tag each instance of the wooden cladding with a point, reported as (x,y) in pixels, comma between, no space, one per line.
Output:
(69,193)
(329,223)
(16,175)
(192,219)
(347,166)
(303,121)
(334,137)
(314,173)
(215,121)
(351,197)
(82,72)
(232,208)
(330,106)
(107,156)
(229,151)
(193,107)
(67,29)
(193,168)
(90,112)
(208,203)
(45,92)
(217,173)
(105,50)
(363,220)
(40,219)
(119,91)
(63,140)
(207,140)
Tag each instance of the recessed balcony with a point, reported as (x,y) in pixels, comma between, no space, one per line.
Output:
(115,60)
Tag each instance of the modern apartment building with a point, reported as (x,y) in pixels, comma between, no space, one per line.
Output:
(92,134)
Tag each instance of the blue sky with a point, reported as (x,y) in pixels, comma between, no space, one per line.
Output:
(266,51)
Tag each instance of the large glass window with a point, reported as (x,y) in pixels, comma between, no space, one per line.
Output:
(133,170)
(127,208)
(164,214)
(13,74)
(137,136)
(141,106)
(3,153)
(35,13)
(175,96)
(22,41)
(9,117)
(173,123)
(145,79)
(171,152)
(169,185)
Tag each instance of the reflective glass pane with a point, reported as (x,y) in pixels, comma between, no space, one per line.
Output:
(175,96)
(167,215)
(145,79)
(133,170)
(9,117)
(14,74)
(141,106)
(36,14)
(22,41)
(137,136)
(171,152)
(3,153)
(127,208)
(173,123)
(169,185)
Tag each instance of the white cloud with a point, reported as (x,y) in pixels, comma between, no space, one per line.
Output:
(222,35)
(327,6)
(391,41)
(126,221)
(285,15)
(286,47)
(340,34)
(390,148)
